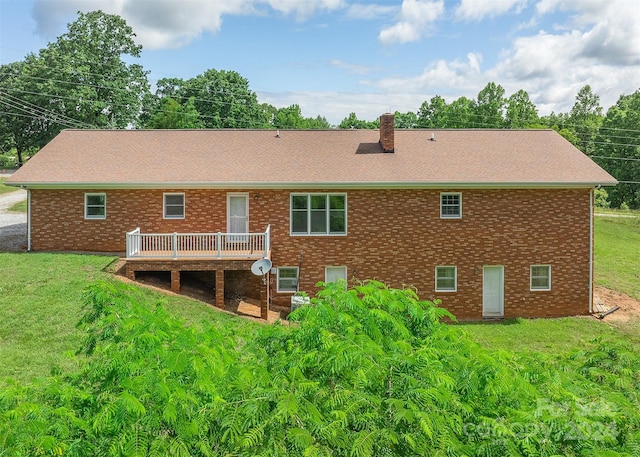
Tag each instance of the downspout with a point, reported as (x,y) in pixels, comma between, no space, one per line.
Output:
(28,220)
(591,191)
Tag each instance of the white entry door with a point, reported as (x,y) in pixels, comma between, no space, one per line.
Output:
(493,291)
(237,213)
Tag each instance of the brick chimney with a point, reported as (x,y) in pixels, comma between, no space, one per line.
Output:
(387,126)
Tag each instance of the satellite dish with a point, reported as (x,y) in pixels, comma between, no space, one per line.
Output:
(261,267)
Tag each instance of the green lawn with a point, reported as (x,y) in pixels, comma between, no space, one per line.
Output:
(4,189)
(41,302)
(20,207)
(617,254)
(617,266)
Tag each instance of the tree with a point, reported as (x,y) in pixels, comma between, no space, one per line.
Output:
(521,112)
(460,114)
(490,105)
(222,98)
(291,117)
(352,122)
(94,84)
(81,80)
(24,125)
(408,120)
(586,117)
(433,114)
(619,139)
(173,115)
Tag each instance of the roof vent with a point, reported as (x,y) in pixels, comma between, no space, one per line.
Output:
(433,137)
(277,133)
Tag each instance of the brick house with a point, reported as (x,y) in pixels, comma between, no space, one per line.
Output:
(495,223)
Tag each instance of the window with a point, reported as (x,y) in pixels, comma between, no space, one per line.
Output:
(318,214)
(450,205)
(333,274)
(446,279)
(174,206)
(95,206)
(288,279)
(540,277)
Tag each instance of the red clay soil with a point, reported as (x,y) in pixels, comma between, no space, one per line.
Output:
(607,299)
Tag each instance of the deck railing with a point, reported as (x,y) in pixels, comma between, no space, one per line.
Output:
(203,245)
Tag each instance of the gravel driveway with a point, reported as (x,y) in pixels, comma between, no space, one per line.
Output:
(13,226)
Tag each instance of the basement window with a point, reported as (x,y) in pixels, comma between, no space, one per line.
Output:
(174,206)
(446,279)
(450,205)
(95,206)
(287,279)
(540,277)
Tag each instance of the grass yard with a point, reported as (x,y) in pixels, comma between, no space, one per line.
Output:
(41,302)
(20,207)
(617,267)
(4,189)
(617,254)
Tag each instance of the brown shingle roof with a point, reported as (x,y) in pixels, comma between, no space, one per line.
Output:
(298,158)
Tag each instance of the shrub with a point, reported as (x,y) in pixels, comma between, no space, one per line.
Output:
(369,371)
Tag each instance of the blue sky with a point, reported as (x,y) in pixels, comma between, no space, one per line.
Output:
(333,57)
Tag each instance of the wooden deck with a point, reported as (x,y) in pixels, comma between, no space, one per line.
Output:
(236,254)
(220,246)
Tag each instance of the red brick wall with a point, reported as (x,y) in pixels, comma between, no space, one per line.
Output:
(395,236)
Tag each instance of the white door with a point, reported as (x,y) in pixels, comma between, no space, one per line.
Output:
(237,213)
(493,291)
(237,220)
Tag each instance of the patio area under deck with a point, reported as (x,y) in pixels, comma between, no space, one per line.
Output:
(188,252)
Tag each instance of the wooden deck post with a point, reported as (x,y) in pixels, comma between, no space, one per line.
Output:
(264,298)
(220,289)
(175,281)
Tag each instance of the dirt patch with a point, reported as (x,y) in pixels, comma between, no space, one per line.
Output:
(605,299)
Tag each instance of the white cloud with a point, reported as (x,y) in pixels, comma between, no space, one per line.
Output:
(165,24)
(369,11)
(352,68)
(303,9)
(439,76)
(416,17)
(476,10)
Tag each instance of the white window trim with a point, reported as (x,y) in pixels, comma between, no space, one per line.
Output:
(537,289)
(278,289)
(335,267)
(164,205)
(450,216)
(308,195)
(86,206)
(455,278)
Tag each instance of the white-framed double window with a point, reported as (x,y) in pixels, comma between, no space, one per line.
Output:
(287,279)
(173,205)
(446,278)
(95,206)
(318,214)
(451,205)
(540,277)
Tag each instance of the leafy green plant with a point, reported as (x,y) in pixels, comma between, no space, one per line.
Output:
(369,371)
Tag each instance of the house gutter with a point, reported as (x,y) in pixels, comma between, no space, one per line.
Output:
(310,185)
(591,192)
(28,220)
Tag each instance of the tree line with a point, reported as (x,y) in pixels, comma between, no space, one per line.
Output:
(84,80)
